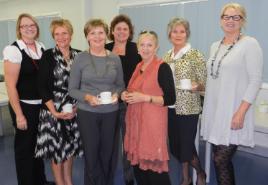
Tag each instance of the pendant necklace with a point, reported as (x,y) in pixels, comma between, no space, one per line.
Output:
(30,55)
(216,74)
(99,74)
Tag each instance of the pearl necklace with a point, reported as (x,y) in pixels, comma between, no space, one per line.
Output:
(216,74)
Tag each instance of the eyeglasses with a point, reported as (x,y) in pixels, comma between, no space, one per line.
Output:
(26,27)
(148,31)
(233,17)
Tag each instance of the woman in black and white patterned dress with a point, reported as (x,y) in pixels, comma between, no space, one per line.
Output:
(58,138)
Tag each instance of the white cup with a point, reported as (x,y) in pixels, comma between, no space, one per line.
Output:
(185,84)
(68,108)
(105,97)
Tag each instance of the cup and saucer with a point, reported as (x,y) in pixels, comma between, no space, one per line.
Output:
(67,108)
(106,98)
(185,84)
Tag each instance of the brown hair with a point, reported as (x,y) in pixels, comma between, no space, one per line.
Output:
(118,19)
(93,23)
(61,23)
(19,22)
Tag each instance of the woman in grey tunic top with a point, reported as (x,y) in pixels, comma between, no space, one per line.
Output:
(233,80)
(95,71)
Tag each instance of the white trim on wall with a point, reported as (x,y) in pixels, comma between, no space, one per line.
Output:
(52,14)
(127,3)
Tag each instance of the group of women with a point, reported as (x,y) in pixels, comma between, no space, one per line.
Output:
(148,103)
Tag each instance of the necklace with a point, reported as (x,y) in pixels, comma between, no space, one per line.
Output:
(94,65)
(30,55)
(217,72)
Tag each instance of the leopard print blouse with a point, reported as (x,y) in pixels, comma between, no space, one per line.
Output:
(190,66)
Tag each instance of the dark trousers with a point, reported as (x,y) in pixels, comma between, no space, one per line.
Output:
(30,170)
(98,135)
(127,168)
(149,177)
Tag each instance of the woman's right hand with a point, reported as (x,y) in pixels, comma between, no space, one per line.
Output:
(63,115)
(92,100)
(21,122)
(124,95)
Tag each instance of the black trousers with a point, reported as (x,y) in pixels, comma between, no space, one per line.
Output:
(98,135)
(149,177)
(30,170)
(119,140)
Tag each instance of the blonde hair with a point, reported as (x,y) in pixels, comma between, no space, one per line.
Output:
(148,33)
(61,23)
(93,23)
(178,21)
(237,7)
(21,16)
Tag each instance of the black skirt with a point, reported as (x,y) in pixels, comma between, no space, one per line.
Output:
(182,131)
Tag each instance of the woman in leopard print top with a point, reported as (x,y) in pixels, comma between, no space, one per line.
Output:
(186,63)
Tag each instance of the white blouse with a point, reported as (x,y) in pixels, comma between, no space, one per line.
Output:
(13,54)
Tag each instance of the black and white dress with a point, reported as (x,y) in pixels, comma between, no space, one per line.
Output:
(57,139)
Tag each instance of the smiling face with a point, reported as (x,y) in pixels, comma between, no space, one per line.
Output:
(147,47)
(28,29)
(97,37)
(229,23)
(62,37)
(178,36)
(121,32)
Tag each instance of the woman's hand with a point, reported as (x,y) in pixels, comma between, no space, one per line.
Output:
(124,95)
(238,120)
(115,98)
(136,97)
(239,116)
(64,115)
(92,100)
(21,122)
(197,87)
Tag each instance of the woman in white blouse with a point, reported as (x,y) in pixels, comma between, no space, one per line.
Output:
(233,80)
(21,68)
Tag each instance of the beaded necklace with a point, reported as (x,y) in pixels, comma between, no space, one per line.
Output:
(216,74)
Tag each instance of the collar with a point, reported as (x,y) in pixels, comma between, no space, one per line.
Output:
(182,51)
(23,46)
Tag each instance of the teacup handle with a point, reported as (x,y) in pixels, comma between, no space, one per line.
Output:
(99,97)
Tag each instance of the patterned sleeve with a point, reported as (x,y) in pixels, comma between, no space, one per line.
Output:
(199,67)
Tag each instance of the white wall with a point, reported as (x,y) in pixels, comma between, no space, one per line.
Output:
(69,9)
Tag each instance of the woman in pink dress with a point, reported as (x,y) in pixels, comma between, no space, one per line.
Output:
(150,90)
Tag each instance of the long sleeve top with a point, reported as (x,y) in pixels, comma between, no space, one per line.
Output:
(191,65)
(240,77)
(94,74)
(129,61)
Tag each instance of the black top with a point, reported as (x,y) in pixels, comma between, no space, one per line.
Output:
(166,82)
(46,76)
(27,81)
(128,61)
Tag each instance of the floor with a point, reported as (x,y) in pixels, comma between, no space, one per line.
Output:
(250,169)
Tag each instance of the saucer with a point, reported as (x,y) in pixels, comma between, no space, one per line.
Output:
(186,89)
(108,102)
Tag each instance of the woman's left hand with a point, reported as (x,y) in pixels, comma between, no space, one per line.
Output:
(196,87)
(238,120)
(136,97)
(115,98)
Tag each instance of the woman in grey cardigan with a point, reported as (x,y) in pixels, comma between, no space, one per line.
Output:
(93,72)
